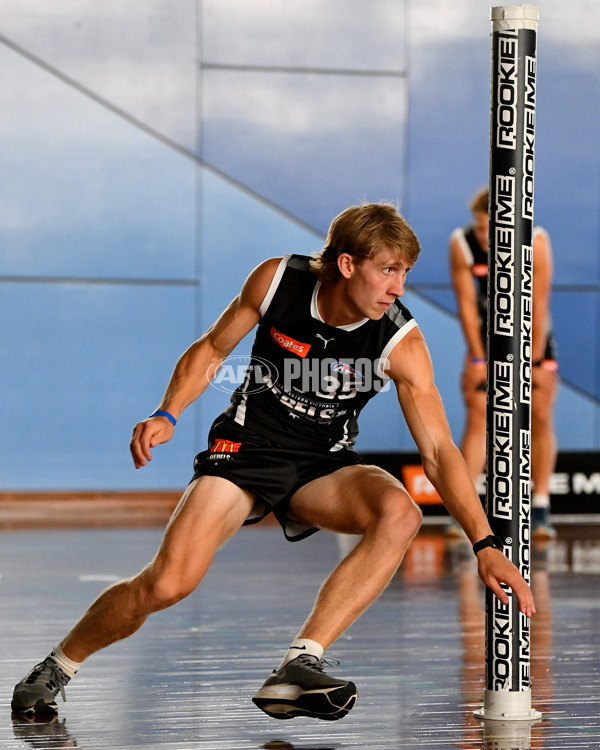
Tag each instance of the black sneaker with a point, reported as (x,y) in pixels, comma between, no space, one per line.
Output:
(37,690)
(302,688)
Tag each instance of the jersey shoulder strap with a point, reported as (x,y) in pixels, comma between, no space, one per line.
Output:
(287,266)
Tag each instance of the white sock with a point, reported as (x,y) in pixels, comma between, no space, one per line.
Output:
(68,666)
(540,501)
(302,646)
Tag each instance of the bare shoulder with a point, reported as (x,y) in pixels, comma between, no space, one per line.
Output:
(410,361)
(542,245)
(542,255)
(458,260)
(258,282)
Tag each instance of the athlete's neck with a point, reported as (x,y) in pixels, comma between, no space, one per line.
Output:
(334,306)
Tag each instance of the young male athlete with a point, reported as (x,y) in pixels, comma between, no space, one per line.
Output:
(469,270)
(330,333)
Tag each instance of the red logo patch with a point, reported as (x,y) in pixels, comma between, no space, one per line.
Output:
(225,446)
(287,342)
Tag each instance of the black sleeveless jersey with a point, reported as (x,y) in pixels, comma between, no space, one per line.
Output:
(307,381)
(477,259)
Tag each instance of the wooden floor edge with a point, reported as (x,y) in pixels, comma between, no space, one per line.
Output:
(90,495)
(88,509)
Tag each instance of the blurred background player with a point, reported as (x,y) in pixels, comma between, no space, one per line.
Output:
(469,271)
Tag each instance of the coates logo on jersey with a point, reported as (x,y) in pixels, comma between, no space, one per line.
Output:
(225,446)
(287,342)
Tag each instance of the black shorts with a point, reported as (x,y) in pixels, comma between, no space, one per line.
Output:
(270,471)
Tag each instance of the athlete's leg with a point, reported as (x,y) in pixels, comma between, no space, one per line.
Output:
(543,438)
(361,500)
(543,450)
(473,441)
(210,511)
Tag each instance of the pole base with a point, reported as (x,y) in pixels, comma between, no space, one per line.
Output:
(507,705)
(507,735)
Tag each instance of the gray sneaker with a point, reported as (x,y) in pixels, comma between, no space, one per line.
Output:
(302,688)
(541,527)
(37,690)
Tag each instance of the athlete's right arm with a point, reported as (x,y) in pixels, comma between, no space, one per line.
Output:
(466,299)
(201,361)
(468,312)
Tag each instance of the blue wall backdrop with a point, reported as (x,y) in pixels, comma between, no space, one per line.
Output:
(154,152)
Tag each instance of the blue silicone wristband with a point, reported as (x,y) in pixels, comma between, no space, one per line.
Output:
(163,413)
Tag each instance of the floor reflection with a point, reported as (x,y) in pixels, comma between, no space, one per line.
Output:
(515,735)
(284,745)
(43,733)
(185,681)
(564,569)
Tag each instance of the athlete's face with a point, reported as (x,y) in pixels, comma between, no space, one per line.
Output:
(374,284)
(480,229)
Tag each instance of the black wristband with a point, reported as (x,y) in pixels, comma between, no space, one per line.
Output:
(488,541)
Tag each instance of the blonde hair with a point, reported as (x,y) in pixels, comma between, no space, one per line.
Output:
(480,201)
(361,231)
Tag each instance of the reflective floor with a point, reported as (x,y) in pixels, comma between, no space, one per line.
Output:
(186,678)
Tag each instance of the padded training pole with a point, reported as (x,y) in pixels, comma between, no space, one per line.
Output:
(507,694)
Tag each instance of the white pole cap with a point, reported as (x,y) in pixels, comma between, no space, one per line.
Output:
(514,17)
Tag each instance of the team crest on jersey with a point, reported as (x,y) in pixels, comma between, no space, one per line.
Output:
(287,342)
(345,369)
(225,446)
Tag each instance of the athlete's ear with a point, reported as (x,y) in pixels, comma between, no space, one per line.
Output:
(345,264)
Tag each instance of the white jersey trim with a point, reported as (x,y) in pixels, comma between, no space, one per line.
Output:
(459,235)
(314,311)
(387,350)
(264,305)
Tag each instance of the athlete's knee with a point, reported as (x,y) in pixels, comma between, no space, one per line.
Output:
(476,408)
(541,414)
(159,590)
(412,517)
(398,513)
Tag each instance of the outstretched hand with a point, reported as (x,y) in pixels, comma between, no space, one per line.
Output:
(146,435)
(495,568)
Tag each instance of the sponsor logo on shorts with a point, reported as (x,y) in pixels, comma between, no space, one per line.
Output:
(287,342)
(225,446)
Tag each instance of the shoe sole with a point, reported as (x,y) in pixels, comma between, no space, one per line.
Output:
(328,704)
(543,533)
(39,708)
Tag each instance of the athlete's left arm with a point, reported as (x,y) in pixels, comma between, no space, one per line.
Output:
(409,366)
(411,369)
